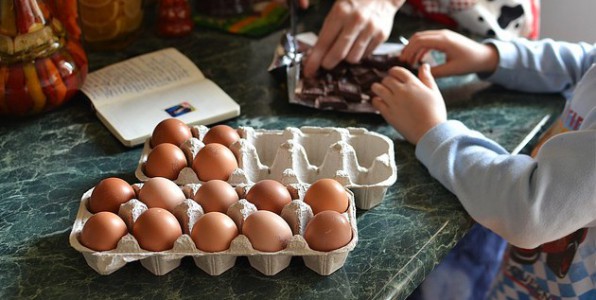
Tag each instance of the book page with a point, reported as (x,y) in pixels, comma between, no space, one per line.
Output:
(140,76)
(201,103)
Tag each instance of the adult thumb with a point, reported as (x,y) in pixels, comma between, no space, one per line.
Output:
(426,76)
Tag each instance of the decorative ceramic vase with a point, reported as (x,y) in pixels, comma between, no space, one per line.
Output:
(42,63)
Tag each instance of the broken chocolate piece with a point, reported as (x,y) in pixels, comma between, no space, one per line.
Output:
(380,74)
(377,62)
(330,102)
(339,71)
(311,89)
(349,91)
(384,62)
(358,70)
(367,79)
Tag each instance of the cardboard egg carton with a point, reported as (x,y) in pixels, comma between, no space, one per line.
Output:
(360,160)
(297,214)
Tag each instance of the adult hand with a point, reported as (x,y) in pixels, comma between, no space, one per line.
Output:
(351,30)
(301,3)
(463,55)
(411,105)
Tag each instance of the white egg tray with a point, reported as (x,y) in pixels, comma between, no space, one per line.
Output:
(297,214)
(360,160)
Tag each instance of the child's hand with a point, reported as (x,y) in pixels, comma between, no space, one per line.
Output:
(463,55)
(411,105)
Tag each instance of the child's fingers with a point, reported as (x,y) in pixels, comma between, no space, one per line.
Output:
(392,84)
(413,56)
(426,77)
(421,43)
(434,39)
(446,69)
(380,105)
(418,58)
(381,91)
(401,74)
(413,45)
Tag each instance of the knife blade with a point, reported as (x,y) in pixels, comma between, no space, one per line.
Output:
(293,28)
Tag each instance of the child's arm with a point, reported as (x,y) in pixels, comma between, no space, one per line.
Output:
(541,66)
(527,201)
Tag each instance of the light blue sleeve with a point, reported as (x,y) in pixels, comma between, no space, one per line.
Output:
(527,201)
(543,66)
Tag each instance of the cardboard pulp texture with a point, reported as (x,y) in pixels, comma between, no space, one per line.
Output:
(360,160)
(297,214)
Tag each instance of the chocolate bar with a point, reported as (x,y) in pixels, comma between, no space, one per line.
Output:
(346,84)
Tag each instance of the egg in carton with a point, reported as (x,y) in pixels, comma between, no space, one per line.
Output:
(361,160)
(297,214)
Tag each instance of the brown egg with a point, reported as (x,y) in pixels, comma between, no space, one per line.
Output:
(267,231)
(213,232)
(156,230)
(269,195)
(108,194)
(165,160)
(171,131)
(102,231)
(221,134)
(328,231)
(216,195)
(214,161)
(326,194)
(161,192)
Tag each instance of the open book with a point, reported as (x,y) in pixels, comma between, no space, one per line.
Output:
(133,96)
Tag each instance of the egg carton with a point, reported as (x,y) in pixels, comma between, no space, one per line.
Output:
(297,214)
(360,160)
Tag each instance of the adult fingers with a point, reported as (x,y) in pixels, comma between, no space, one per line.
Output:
(374,43)
(343,43)
(331,28)
(361,44)
(302,3)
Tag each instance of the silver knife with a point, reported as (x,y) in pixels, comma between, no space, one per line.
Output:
(293,29)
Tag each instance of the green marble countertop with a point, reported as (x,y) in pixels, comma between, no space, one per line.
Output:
(47,162)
